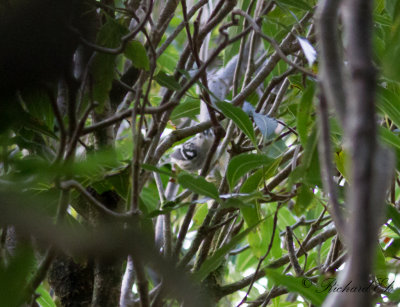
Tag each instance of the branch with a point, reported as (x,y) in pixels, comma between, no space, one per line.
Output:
(126,298)
(371,165)
(124,40)
(231,288)
(180,27)
(269,66)
(126,114)
(291,252)
(331,71)
(273,43)
(66,185)
(325,153)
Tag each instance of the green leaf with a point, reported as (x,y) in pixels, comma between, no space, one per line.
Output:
(150,198)
(239,117)
(298,4)
(235,203)
(380,266)
(167,81)
(213,262)
(392,140)
(189,108)
(391,55)
(383,20)
(296,284)
(135,52)
(244,163)
(37,125)
(341,161)
(198,185)
(163,170)
(44,299)
(395,295)
(304,199)
(393,214)
(310,147)
(308,171)
(389,138)
(392,8)
(304,113)
(39,106)
(251,214)
(200,214)
(13,277)
(265,124)
(389,104)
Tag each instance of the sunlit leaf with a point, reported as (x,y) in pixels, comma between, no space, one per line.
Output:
(44,299)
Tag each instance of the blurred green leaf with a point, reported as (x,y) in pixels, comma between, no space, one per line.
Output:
(14,277)
(392,8)
(135,52)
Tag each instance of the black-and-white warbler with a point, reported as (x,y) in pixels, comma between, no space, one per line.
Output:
(190,156)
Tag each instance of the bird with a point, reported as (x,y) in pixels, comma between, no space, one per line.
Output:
(190,156)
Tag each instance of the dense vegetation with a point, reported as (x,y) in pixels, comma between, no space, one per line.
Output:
(295,199)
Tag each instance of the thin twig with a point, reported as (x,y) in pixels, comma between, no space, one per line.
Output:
(291,251)
(66,185)
(327,168)
(124,40)
(274,44)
